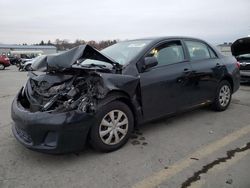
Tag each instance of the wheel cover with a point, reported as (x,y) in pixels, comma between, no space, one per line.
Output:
(224,95)
(1,66)
(28,68)
(113,127)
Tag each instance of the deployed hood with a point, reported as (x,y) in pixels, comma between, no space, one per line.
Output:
(241,46)
(68,58)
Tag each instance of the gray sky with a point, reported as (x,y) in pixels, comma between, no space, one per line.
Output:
(30,21)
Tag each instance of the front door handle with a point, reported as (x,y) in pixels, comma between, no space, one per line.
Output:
(218,65)
(183,78)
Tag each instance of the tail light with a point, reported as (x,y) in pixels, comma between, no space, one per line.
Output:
(6,59)
(238,64)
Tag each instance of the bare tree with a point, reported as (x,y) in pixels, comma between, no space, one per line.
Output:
(65,44)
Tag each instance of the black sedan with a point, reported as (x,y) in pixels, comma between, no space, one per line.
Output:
(100,96)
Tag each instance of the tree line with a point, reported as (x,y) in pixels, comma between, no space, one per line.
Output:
(62,45)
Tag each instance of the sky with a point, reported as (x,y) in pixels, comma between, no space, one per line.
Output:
(30,21)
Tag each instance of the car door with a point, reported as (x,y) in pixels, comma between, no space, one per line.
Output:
(165,87)
(207,70)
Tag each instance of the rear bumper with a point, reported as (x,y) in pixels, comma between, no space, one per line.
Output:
(7,64)
(50,133)
(245,75)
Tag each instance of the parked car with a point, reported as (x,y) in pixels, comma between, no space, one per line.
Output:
(26,64)
(21,57)
(100,96)
(4,62)
(241,50)
(14,60)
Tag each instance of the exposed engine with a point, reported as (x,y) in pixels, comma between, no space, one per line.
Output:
(55,92)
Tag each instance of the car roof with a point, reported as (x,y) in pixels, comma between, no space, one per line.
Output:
(156,39)
(159,39)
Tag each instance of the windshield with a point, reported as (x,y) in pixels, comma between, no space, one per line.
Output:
(122,52)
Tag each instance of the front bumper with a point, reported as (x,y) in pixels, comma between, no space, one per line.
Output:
(245,75)
(50,133)
(7,64)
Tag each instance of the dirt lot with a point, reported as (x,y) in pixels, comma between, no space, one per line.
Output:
(195,149)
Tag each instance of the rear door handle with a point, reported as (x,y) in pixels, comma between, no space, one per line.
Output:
(186,70)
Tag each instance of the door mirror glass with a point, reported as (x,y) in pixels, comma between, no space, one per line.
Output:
(150,62)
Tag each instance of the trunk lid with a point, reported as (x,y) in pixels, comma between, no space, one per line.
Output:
(241,46)
(241,50)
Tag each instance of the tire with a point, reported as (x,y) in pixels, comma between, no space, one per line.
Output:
(28,68)
(2,67)
(103,128)
(223,96)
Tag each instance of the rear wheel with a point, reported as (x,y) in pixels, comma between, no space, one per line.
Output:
(113,127)
(223,96)
(2,67)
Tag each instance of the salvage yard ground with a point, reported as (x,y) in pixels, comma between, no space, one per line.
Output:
(201,148)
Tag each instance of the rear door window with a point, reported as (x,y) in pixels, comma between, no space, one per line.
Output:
(198,50)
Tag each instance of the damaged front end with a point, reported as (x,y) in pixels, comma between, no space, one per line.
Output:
(53,112)
(55,109)
(66,84)
(55,93)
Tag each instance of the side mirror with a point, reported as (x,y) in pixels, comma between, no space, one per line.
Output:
(150,62)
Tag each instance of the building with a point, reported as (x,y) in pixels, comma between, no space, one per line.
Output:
(225,48)
(32,49)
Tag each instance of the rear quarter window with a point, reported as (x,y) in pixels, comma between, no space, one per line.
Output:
(212,53)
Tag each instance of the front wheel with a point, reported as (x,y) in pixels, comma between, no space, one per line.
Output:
(113,126)
(28,67)
(223,96)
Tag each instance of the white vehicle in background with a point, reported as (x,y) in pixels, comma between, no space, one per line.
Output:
(27,65)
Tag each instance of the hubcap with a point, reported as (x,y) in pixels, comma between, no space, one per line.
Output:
(29,68)
(224,95)
(1,66)
(113,127)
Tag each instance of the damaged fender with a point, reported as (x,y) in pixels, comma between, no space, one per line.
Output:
(122,87)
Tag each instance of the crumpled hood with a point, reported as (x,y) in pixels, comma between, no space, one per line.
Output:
(241,46)
(68,58)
